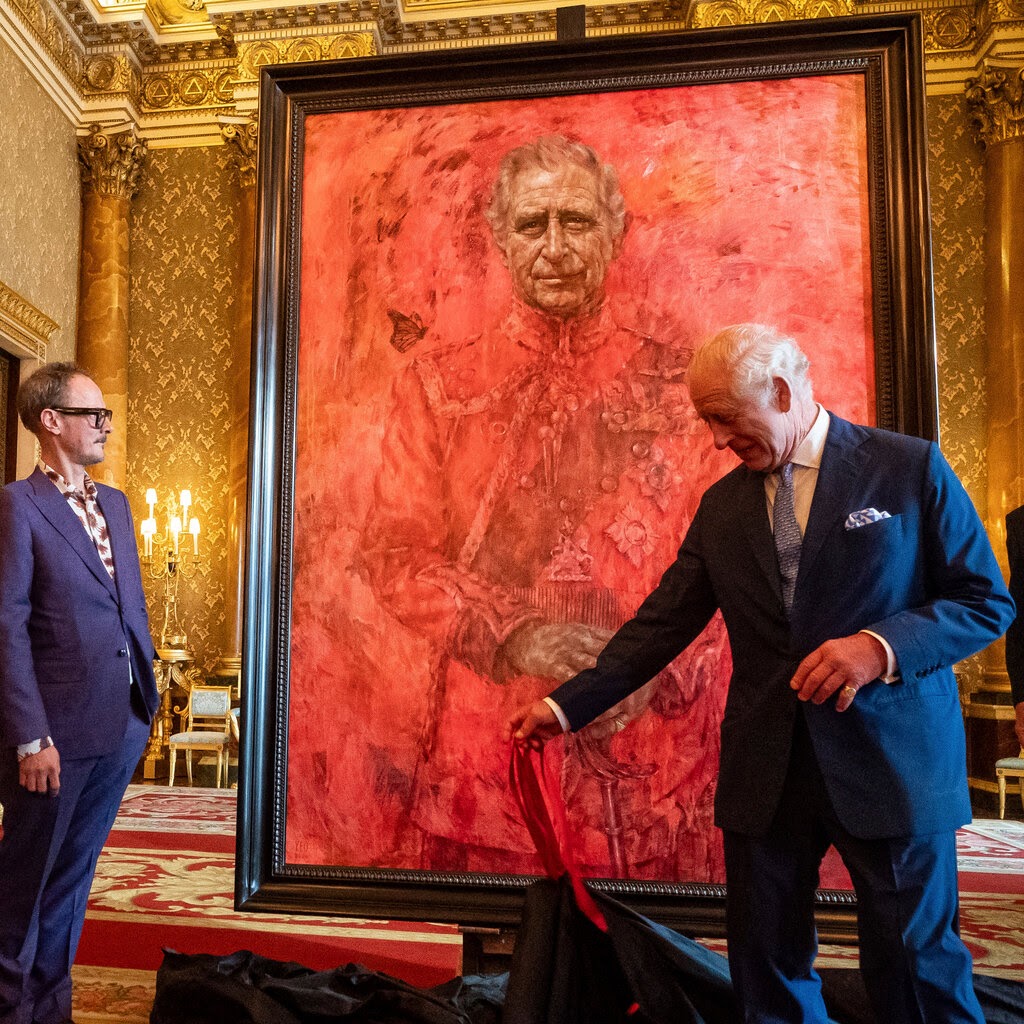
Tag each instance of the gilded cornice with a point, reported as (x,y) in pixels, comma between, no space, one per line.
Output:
(23,324)
(309,45)
(113,78)
(718,13)
(190,86)
(242,141)
(949,28)
(246,21)
(995,100)
(174,67)
(54,40)
(110,164)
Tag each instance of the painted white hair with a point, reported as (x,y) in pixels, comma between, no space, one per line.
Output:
(753,355)
(552,153)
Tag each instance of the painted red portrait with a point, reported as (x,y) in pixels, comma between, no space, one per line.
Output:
(488,461)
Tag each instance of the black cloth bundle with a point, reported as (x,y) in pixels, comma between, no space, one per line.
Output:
(581,957)
(244,988)
(567,970)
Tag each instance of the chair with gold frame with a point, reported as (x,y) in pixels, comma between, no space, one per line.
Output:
(207,728)
(1012,768)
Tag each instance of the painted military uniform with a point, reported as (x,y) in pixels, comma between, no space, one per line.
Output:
(546,471)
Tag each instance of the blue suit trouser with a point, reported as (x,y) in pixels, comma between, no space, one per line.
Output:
(915,968)
(48,858)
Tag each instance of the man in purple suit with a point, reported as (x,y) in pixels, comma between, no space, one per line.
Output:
(77,692)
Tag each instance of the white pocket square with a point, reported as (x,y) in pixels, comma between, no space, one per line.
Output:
(864,517)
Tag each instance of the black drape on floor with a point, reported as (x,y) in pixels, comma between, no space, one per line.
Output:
(244,988)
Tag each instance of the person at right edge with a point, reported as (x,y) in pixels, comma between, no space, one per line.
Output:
(842,725)
(1015,634)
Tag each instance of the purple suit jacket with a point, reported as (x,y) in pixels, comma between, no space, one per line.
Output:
(67,631)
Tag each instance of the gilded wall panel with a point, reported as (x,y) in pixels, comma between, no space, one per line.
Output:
(40,205)
(955,166)
(958,231)
(184,252)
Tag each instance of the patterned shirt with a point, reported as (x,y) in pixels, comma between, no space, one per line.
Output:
(84,504)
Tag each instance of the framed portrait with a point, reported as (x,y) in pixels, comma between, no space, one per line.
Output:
(480,277)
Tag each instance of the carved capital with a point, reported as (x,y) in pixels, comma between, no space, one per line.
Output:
(241,140)
(111,164)
(995,100)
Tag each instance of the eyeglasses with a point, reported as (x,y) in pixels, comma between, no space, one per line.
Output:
(99,416)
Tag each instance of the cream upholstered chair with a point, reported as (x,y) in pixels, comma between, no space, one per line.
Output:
(207,727)
(1009,768)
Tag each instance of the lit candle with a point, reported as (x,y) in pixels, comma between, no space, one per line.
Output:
(148,528)
(151,500)
(175,530)
(186,500)
(193,528)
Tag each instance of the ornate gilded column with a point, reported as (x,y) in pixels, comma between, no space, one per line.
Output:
(241,138)
(996,103)
(110,166)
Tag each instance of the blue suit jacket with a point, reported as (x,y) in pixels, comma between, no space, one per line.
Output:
(66,629)
(925,579)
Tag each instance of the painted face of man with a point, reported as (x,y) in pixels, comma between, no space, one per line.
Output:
(560,241)
(761,437)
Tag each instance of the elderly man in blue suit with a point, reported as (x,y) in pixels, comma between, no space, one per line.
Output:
(852,571)
(76,687)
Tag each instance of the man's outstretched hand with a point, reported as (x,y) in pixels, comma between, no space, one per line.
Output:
(534,724)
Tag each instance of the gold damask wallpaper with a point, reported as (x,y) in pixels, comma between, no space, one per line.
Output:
(40,205)
(956,186)
(955,166)
(184,253)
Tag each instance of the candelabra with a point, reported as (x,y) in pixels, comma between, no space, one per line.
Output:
(171,563)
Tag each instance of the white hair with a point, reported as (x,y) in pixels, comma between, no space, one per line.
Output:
(753,355)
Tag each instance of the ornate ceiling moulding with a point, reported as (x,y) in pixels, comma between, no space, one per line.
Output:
(167,89)
(991,15)
(175,68)
(720,13)
(949,29)
(401,32)
(110,161)
(995,100)
(21,324)
(111,87)
(309,46)
(239,18)
(162,20)
(673,15)
(49,47)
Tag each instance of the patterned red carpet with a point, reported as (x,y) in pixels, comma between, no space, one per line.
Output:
(165,879)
